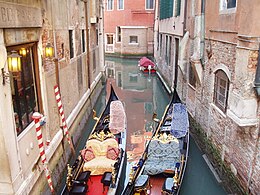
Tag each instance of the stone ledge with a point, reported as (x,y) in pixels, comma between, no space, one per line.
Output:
(242,122)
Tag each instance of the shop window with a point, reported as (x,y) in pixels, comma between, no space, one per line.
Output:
(149,4)
(110,4)
(221,87)
(25,96)
(133,39)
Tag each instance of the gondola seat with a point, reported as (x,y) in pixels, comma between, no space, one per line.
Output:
(78,188)
(142,184)
(161,157)
(106,179)
(105,154)
(167,187)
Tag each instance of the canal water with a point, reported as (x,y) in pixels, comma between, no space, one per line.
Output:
(143,95)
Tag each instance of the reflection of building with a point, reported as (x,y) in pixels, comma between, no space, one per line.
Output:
(217,75)
(137,93)
(129,27)
(28,27)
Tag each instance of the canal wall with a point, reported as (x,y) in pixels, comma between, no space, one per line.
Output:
(59,160)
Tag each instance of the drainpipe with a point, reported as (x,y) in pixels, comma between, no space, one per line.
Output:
(257,76)
(202,41)
(87,42)
(185,17)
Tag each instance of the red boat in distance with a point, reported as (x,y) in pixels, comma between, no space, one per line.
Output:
(146,65)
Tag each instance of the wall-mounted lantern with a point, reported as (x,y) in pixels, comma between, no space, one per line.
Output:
(14,65)
(49,51)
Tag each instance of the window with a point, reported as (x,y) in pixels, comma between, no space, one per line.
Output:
(83,41)
(192,78)
(71,40)
(166,9)
(118,34)
(160,42)
(110,4)
(25,96)
(149,4)
(176,62)
(227,4)
(133,39)
(221,87)
(120,4)
(110,39)
(178,7)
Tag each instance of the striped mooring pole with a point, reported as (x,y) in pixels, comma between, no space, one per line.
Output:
(36,117)
(62,115)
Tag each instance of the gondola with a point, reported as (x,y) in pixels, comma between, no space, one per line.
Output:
(161,168)
(99,165)
(146,65)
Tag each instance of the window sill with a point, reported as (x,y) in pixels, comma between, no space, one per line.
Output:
(228,11)
(242,122)
(134,44)
(212,105)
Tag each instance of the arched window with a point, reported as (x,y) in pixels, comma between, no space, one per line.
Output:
(221,87)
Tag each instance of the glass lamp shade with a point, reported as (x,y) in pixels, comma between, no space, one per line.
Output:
(23,51)
(48,51)
(14,62)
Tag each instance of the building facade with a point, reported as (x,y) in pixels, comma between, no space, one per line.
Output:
(217,75)
(74,29)
(129,27)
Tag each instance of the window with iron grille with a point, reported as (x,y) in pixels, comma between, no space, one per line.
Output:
(110,4)
(71,42)
(24,87)
(166,9)
(221,87)
(149,4)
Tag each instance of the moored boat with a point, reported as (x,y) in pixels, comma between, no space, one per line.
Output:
(99,165)
(146,65)
(161,168)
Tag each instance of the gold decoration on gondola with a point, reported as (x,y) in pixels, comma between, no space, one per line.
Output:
(164,138)
(69,177)
(101,136)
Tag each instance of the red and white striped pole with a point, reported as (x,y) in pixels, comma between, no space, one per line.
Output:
(62,115)
(36,117)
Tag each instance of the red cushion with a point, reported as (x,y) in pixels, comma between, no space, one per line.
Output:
(88,154)
(112,152)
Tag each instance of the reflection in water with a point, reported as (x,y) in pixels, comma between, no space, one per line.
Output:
(142,95)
